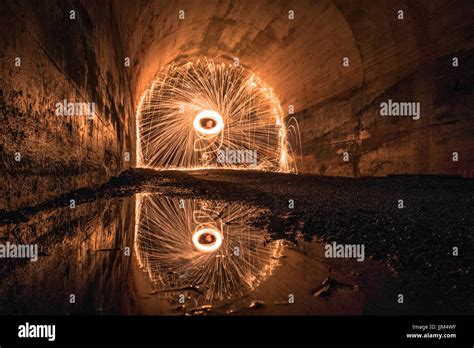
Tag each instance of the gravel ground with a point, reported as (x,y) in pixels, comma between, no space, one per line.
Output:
(416,241)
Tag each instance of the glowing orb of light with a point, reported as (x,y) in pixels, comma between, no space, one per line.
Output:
(213,122)
(207,239)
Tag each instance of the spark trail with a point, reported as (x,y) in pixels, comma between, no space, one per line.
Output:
(204,245)
(191,111)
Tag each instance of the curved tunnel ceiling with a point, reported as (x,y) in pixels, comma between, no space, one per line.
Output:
(300,58)
(260,34)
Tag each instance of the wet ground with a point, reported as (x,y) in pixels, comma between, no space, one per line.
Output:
(128,248)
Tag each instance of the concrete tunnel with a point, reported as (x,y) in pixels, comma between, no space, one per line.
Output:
(374,99)
(48,56)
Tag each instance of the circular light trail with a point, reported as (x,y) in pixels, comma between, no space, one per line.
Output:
(174,240)
(208,122)
(207,239)
(193,111)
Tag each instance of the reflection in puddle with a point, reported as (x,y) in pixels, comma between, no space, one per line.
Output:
(152,254)
(206,250)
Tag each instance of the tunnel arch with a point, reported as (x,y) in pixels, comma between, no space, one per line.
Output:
(271,45)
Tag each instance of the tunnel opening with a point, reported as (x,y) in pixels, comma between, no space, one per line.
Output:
(201,114)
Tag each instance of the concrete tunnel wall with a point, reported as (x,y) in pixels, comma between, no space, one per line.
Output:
(337,107)
(61,58)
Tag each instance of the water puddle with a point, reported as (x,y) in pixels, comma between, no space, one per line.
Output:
(153,254)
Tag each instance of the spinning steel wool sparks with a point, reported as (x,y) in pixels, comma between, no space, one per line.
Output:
(193,110)
(209,246)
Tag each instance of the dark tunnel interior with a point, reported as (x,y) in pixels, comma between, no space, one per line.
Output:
(353,118)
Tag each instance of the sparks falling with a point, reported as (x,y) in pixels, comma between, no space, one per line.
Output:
(193,110)
(205,247)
